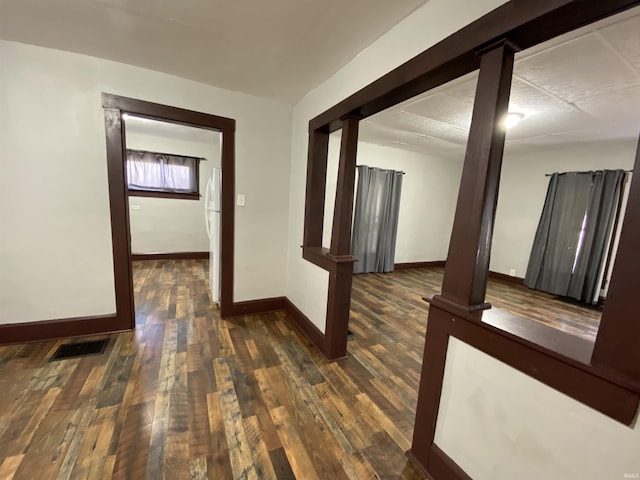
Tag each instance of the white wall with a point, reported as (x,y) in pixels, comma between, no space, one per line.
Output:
(434,21)
(523,188)
(499,424)
(169,225)
(56,240)
(428,201)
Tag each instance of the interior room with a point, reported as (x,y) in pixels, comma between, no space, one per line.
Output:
(572,117)
(118,361)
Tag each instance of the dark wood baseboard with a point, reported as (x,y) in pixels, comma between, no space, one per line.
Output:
(55,329)
(306,326)
(170,256)
(506,278)
(440,465)
(255,307)
(403,266)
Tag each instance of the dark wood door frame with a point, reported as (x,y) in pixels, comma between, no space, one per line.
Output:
(114,107)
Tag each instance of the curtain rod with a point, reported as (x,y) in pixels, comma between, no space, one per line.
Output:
(167,154)
(383,169)
(586,171)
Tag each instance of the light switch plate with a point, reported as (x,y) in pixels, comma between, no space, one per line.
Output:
(241,200)
(135,207)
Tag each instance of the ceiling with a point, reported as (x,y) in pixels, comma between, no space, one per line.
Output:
(580,87)
(276,48)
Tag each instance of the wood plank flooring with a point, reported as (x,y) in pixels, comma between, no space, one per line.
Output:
(191,396)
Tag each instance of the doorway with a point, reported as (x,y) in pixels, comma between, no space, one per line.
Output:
(114,108)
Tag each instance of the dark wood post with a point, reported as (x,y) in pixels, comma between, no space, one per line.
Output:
(343,211)
(618,343)
(465,278)
(340,276)
(468,260)
(316,186)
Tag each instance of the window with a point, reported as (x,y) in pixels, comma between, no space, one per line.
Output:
(153,174)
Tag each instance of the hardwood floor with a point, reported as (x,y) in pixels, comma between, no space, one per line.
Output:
(188,395)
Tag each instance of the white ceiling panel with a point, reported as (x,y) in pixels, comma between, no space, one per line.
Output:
(620,109)
(579,68)
(579,88)
(420,125)
(624,37)
(445,109)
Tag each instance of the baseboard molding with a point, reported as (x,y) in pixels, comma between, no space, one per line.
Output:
(442,467)
(170,256)
(55,329)
(306,326)
(255,307)
(403,266)
(506,278)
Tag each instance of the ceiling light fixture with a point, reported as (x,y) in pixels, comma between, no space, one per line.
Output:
(512,119)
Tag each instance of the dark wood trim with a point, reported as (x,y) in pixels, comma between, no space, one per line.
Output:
(506,278)
(316,188)
(119,212)
(115,106)
(442,466)
(432,264)
(618,343)
(465,277)
(343,210)
(155,194)
(170,256)
(306,326)
(54,329)
(254,307)
(598,389)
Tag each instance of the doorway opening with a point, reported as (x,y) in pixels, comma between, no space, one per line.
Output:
(115,107)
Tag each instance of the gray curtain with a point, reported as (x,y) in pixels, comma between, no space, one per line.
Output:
(375,222)
(573,234)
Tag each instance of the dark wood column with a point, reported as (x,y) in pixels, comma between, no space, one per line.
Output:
(343,212)
(618,343)
(340,276)
(316,186)
(119,206)
(467,265)
(465,279)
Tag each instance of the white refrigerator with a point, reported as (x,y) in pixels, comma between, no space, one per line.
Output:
(212,202)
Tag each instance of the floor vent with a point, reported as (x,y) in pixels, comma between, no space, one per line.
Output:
(80,349)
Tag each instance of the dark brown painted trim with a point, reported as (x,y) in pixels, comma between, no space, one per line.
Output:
(254,307)
(115,106)
(316,188)
(154,194)
(598,389)
(618,343)
(432,264)
(306,326)
(119,213)
(442,466)
(170,256)
(465,276)
(506,278)
(54,329)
